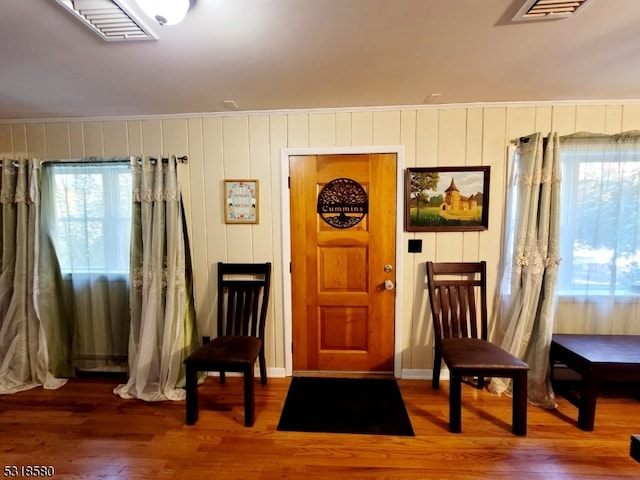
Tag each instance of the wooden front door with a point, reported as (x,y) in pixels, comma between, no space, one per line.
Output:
(343,227)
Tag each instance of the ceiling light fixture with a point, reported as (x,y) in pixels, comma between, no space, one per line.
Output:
(165,12)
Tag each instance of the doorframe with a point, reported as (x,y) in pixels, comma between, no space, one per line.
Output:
(285,153)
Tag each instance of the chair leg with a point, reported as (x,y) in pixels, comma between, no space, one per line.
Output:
(249,403)
(263,368)
(455,403)
(223,377)
(520,403)
(437,365)
(192,395)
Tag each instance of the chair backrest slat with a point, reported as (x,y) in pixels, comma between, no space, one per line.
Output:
(457,293)
(243,295)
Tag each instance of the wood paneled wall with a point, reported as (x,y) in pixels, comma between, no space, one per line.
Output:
(237,145)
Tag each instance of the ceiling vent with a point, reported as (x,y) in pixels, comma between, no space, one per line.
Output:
(111,20)
(549,9)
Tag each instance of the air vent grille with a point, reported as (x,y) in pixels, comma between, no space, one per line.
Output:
(549,9)
(111,20)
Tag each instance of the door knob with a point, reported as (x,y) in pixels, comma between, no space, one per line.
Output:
(388,285)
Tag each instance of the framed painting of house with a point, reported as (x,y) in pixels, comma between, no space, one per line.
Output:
(447,199)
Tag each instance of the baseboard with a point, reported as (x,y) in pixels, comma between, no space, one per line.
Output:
(276,372)
(271,373)
(407,373)
(422,374)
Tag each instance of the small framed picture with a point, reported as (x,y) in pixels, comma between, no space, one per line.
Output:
(447,199)
(241,201)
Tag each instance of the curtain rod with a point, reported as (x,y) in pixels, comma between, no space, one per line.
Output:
(13,162)
(182,159)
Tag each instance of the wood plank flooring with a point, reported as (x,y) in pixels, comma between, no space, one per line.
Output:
(85,432)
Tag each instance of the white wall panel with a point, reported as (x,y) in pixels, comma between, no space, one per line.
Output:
(298,135)
(564,120)
(591,118)
(93,139)
(175,138)
(343,129)
(261,169)
(237,165)
(214,232)
(235,138)
(386,128)
(76,140)
(19,137)
(452,137)
(408,125)
(322,130)
(613,119)
(544,116)
(361,128)
(631,117)
(427,138)
(278,138)
(115,138)
(134,137)
(6,141)
(496,138)
(411,261)
(196,212)
(35,140)
(473,157)
(57,140)
(152,138)
(262,232)
(521,121)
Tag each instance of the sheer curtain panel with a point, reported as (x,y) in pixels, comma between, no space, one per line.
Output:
(163,330)
(524,325)
(24,358)
(599,279)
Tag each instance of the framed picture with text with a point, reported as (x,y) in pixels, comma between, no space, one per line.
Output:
(241,201)
(444,199)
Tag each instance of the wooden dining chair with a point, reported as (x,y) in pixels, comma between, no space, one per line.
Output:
(458,297)
(243,296)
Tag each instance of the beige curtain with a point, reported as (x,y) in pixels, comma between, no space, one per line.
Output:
(163,329)
(24,358)
(524,325)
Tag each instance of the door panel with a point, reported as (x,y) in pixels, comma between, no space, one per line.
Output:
(343,317)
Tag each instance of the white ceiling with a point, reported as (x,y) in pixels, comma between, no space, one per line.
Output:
(305,54)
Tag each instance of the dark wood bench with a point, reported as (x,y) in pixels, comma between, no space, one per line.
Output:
(596,358)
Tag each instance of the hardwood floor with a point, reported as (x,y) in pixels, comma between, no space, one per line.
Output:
(84,431)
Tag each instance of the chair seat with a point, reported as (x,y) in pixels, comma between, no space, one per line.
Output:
(477,354)
(226,352)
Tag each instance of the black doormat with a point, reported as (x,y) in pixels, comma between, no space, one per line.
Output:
(345,405)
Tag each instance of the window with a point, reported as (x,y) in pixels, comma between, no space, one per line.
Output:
(600,218)
(92,205)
